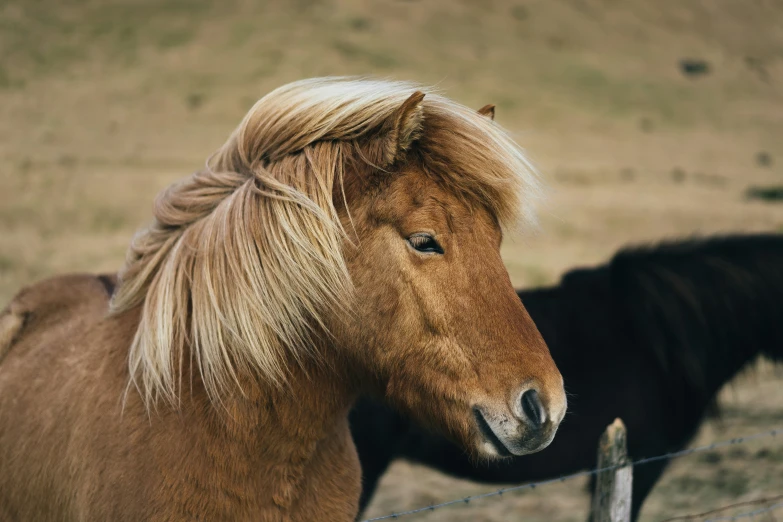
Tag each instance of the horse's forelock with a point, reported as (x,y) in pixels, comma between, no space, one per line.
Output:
(244,259)
(479,157)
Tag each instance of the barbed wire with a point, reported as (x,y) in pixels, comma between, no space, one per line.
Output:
(586,473)
(749,514)
(725,508)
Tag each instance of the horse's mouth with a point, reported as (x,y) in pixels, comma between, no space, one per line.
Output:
(489,434)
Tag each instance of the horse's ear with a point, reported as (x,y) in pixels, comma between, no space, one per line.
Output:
(402,129)
(488,111)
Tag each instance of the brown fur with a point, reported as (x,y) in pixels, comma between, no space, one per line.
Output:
(84,470)
(437,335)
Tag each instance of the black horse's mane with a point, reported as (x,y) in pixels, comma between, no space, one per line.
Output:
(696,301)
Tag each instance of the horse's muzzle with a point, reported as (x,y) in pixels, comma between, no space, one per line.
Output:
(526,427)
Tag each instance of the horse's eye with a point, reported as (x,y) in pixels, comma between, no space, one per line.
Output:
(425,243)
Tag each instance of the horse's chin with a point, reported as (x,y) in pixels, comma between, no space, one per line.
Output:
(497,450)
(494,443)
(490,444)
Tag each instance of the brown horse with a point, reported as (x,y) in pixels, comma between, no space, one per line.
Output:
(344,240)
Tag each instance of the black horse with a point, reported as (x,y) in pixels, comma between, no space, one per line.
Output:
(650,337)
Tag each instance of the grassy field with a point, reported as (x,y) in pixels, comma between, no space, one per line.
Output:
(103,103)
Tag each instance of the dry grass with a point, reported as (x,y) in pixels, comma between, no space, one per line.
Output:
(102,103)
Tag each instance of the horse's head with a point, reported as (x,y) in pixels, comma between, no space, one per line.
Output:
(365,216)
(438,323)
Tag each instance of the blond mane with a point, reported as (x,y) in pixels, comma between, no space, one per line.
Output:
(244,259)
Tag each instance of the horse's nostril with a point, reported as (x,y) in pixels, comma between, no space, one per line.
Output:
(533,409)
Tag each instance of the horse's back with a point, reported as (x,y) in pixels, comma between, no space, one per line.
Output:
(44,308)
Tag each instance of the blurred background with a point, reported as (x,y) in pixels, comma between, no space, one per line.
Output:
(649,120)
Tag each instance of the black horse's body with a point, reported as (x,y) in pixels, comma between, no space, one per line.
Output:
(650,337)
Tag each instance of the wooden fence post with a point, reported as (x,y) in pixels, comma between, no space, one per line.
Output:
(612,496)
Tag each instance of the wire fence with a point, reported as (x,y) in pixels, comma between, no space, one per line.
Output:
(733,506)
(749,514)
(595,471)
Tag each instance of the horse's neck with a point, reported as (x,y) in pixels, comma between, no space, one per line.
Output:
(300,410)
(704,359)
(272,444)
(735,329)
(723,365)
(704,316)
